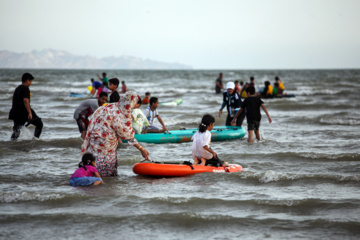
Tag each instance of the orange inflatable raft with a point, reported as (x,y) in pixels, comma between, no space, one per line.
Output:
(158,169)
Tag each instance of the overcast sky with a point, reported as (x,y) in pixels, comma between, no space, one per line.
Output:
(206,34)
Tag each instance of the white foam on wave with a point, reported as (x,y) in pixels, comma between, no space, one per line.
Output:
(28,196)
(272,176)
(340,121)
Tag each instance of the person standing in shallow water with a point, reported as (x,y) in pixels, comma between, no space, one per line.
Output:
(21,112)
(219,84)
(109,125)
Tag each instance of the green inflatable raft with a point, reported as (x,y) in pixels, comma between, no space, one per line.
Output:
(222,133)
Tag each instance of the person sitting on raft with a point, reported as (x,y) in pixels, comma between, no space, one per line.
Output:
(201,150)
(139,121)
(268,90)
(151,113)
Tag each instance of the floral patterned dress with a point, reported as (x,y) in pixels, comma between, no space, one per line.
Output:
(107,125)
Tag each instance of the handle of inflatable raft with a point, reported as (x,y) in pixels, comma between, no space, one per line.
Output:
(189,164)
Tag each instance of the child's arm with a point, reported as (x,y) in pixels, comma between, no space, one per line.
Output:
(206,147)
(98,175)
(162,123)
(267,113)
(233,122)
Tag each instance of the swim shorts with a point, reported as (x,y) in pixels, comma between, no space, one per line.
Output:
(253,126)
(155,127)
(83,120)
(83,181)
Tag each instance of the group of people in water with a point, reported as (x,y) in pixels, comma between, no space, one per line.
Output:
(104,124)
(268,91)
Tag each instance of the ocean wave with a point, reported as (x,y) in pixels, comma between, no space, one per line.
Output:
(29,196)
(341,157)
(340,121)
(273,176)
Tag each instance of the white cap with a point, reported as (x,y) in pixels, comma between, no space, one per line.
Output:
(230,85)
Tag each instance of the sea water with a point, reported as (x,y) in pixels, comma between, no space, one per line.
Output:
(301,181)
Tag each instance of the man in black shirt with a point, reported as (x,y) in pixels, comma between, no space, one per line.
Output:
(21,111)
(252,105)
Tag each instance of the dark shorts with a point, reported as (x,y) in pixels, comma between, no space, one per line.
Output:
(83,120)
(253,126)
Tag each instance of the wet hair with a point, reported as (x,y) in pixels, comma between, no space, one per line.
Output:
(114,81)
(153,100)
(251,90)
(206,120)
(87,158)
(147,93)
(102,94)
(139,100)
(26,76)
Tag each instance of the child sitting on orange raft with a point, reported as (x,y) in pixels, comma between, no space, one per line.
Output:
(201,143)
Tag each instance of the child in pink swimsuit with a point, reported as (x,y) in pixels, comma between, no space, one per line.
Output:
(87,173)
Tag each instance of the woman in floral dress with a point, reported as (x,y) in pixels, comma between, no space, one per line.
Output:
(107,126)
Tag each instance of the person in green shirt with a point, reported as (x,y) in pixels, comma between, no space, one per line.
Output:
(104,79)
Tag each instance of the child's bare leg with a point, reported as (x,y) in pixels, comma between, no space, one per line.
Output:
(203,161)
(257,133)
(97,183)
(196,161)
(250,136)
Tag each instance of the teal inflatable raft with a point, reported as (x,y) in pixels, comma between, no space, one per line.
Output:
(222,133)
(172,103)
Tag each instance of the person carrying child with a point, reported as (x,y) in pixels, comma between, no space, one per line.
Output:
(86,174)
(139,121)
(201,150)
(151,113)
(232,101)
(252,105)
(114,95)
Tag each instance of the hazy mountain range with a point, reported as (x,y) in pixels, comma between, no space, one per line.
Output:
(49,58)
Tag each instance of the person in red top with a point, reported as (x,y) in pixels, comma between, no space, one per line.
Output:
(146,99)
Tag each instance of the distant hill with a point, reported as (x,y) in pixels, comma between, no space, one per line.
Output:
(49,58)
